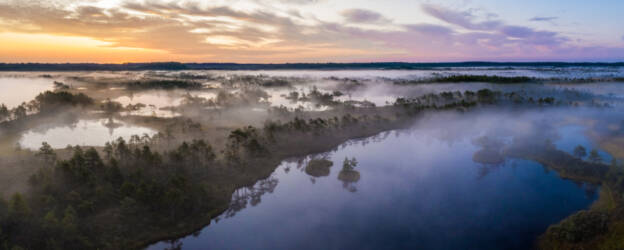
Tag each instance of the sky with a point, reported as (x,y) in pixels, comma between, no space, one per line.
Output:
(281,31)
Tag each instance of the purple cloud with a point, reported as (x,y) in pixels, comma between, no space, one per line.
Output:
(167,27)
(494,33)
(429,29)
(363,16)
(543,19)
(463,19)
(516,31)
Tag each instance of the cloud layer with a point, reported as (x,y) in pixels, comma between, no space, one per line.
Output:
(194,31)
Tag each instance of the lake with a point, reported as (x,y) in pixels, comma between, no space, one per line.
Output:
(420,188)
(17,89)
(95,132)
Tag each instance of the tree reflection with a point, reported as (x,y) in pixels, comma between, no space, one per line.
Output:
(490,155)
(486,169)
(174,245)
(318,167)
(111,125)
(250,195)
(348,175)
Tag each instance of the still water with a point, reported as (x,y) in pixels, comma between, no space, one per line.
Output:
(81,133)
(15,90)
(420,188)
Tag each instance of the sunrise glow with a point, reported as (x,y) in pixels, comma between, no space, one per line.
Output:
(263,31)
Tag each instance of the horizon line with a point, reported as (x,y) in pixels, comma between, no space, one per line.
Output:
(329,62)
(172,65)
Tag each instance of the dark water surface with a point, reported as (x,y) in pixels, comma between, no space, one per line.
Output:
(419,189)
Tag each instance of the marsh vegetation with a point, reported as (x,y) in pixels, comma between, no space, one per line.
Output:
(158,155)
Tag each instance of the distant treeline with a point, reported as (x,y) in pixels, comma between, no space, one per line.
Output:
(286,66)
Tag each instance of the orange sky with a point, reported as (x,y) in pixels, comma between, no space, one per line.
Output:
(17,48)
(262,31)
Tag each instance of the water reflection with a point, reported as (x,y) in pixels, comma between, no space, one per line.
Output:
(16,90)
(318,167)
(82,132)
(251,195)
(152,102)
(348,175)
(424,188)
(489,152)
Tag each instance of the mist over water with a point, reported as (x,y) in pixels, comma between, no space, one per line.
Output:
(81,133)
(420,187)
(450,180)
(15,90)
(540,72)
(311,125)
